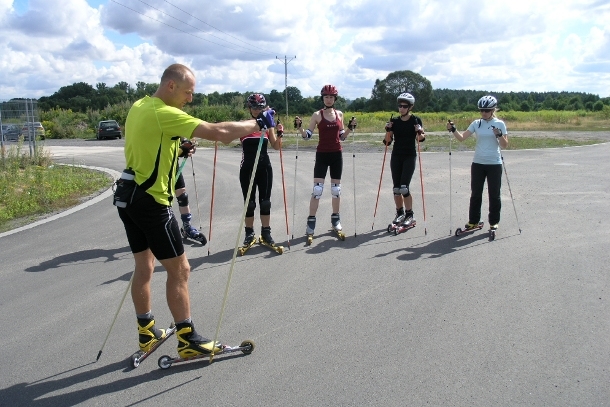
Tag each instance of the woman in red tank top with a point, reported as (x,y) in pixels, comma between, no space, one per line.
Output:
(329,123)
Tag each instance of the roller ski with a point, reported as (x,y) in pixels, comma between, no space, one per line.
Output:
(150,339)
(468,228)
(188,231)
(492,232)
(266,240)
(249,241)
(192,346)
(311,225)
(407,223)
(336,226)
(398,219)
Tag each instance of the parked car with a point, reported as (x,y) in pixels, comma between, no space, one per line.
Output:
(32,129)
(108,129)
(11,132)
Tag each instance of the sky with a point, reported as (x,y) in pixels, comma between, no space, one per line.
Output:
(243,46)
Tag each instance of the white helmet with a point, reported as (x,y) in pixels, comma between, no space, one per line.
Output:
(487,102)
(406,97)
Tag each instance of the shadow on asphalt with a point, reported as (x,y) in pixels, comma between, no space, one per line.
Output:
(43,392)
(107,255)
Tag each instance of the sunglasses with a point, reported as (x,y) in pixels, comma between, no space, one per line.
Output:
(404,106)
(486,110)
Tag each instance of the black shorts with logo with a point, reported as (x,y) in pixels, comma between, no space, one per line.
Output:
(149,224)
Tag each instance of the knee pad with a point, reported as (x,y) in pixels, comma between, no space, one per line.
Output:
(335,190)
(404,190)
(318,188)
(265,207)
(250,209)
(183,200)
(396,191)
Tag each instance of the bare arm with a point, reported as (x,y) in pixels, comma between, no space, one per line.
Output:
(273,139)
(225,132)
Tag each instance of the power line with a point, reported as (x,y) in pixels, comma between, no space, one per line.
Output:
(217,29)
(186,32)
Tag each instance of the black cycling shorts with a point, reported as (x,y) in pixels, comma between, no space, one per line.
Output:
(324,161)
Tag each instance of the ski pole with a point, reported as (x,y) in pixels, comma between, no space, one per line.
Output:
(196,194)
(241,226)
(508,183)
(354,174)
(284,189)
(450,188)
(421,179)
(294,194)
(380,178)
(212,199)
(116,314)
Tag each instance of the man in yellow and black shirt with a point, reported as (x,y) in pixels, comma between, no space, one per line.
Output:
(154,131)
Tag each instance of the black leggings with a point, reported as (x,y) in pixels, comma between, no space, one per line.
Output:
(402,167)
(263,181)
(478,174)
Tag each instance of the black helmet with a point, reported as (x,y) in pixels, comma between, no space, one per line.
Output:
(256,101)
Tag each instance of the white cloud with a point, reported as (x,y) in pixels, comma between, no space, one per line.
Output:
(233,44)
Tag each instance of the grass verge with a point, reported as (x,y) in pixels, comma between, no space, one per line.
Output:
(31,186)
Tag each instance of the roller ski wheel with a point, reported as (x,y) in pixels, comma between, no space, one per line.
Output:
(272,246)
(492,232)
(246,347)
(339,233)
(200,237)
(460,231)
(243,249)
(391,227)
(139,356)
(403,228)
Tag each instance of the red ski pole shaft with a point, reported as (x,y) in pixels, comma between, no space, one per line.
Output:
(212,199)
(284,190)
(421,178)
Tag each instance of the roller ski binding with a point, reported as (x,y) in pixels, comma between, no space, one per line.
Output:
(398,219)
(407,223)
(249,241)
(492,232)
(190,232)
(192,346)
(469,227)
(266,240)
(146,348)
(336,226)
(311,225)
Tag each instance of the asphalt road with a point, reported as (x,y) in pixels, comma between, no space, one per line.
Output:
(416,319)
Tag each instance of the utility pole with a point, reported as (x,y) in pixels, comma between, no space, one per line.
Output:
(286,62)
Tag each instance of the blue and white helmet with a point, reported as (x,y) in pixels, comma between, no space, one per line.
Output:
(487,102)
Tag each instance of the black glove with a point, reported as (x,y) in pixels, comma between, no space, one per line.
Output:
(387,143)
(351,124)
(497,131)
(388,127)
(187,147)
(452,129)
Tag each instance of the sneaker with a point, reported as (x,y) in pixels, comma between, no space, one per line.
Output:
(408,218)
(311,225)
(335,221)
(400,216)
(471,225)
(148,334)
(249,237)
(266,235)
(190,343)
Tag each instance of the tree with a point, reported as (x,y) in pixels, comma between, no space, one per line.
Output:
(384,93)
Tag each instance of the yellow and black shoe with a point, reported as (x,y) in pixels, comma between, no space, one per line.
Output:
(190,343)
(148,334)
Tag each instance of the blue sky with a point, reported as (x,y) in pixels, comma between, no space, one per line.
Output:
(232,44)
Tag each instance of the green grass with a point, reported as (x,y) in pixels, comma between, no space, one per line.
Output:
(33,186)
